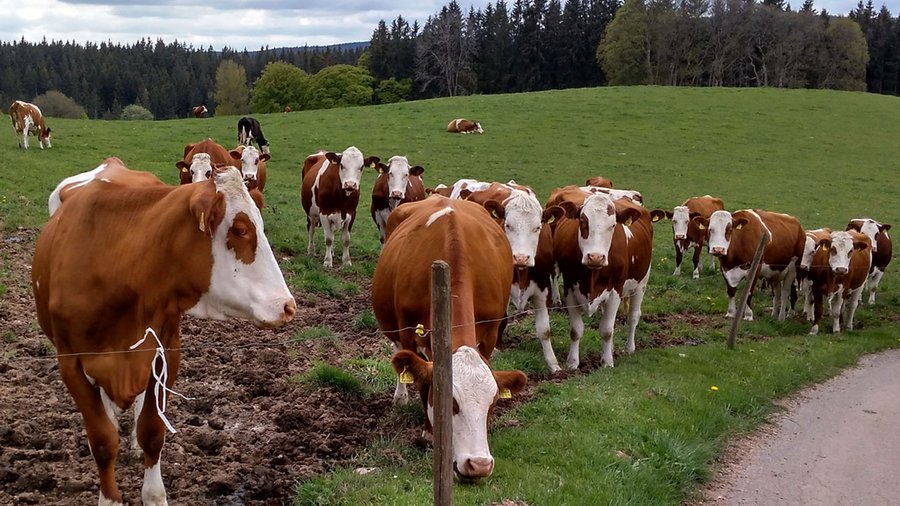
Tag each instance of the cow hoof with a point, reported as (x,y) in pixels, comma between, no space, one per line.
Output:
(696,275)
(572,366)
(748,317)
(814,331)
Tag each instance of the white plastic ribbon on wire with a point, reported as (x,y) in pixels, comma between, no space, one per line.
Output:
(160,389)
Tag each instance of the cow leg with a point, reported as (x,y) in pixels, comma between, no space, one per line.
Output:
(345,240)
(732,310)
(311,222)
(806,291)
(576,330)
(697,264)
(103,435)
(634,317)
(138,406)
(151,432)
(872,282)
(816,313)
(607,321)
(778,300)
(401,394)
(328,227)
(679,256)
(837,302)
(850,309)
(542,328)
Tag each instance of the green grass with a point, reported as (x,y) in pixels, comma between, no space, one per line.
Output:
(646,431)
(324,375)
(307,333)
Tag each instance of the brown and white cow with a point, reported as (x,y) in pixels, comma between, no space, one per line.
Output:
(733,239)
(527,228)
(28,120)
(330,194)
(199,111)
(440,189)
(464,126)
(837,273)
(397,183)
(193,168)
(252,165)
(603,248)
(463,235)
(803,281)
(578,194)
(121,259)
(882,250)
(599,181)
(687,233)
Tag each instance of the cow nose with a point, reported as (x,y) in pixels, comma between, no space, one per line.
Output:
(396,195)
(717,251)
(290,310)
(478,467)
(840,270)
(351,185)
(520,260)
(595,260)
(679,236)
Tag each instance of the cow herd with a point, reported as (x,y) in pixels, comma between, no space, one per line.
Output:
(124,256)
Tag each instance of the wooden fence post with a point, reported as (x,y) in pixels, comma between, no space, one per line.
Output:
(748,289)
(442,383)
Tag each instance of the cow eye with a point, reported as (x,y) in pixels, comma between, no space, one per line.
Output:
(239,230)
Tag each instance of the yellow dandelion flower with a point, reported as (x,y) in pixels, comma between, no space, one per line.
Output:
(714,388)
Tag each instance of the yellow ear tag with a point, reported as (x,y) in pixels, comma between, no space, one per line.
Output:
(824,247)
(420,330)
(628,222)
(702,226)
(202,221)
(406,377)
(551,220)
(505,393)
(740,226)
(184,169)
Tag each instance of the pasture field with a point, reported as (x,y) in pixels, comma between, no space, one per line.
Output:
(645,432)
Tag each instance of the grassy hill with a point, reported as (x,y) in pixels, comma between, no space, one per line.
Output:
(645,432)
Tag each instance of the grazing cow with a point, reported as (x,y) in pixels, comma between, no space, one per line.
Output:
(397,183)
(287,108)
(440,189)
(330,194)
(463,235)
(193,168)
(733,239)
(121,259)
(252,165)
(28,120)
(528,229)
(599,181)
(882,249)
(464,126)
(604,248)
(686,232)
(249,131)
(200,111)
(803,282)
(839,266)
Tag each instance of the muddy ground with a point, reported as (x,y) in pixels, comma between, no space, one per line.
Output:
(247,437)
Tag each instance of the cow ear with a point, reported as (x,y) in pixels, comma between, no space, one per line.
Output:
(333,157)
(257,197)
(824,243)
(235,154)
(429,191)
(628,216)
(208,207)
(657,215)
(371,161)
(464,194)
(380,168)
(495,208)
(701,222)
(854,225)
(510,382)
(181,164)
(408,365)
(187,149)
(739,223)
(265,157)
(416,170)
(669,214)
(572,210)
(551,214)
(860,245)
(884,227)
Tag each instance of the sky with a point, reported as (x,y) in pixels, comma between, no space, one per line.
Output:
(237,24)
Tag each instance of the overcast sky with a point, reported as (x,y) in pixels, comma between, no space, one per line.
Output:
(237,24)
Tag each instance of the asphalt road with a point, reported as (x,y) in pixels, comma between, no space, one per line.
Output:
(838,443)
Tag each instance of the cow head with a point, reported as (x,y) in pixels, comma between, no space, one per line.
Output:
(250,159)
(721,226)
(521,217)
(840,248)
(200,169)
(350,165)
(478,128)
(245,281)
(476,389)
(869,227)
(810,248)
(44,137)
(597,222)
(680,217)
(398,173)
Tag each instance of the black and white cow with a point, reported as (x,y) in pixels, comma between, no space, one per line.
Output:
(249,130)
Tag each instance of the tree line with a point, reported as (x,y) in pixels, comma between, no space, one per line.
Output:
(528,45)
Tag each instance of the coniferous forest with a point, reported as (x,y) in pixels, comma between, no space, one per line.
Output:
(528,45)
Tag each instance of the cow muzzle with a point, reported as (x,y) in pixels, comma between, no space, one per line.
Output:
(840,270)
(717,251)
(288,311)
(679,236)
(522,261)
(350,187)
(595,261)
(474,468)
(396,195)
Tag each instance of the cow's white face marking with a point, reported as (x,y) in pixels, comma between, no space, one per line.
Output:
(809,251)
(254,290)
(680,218)
(598,220)
(437,214)
(351,168)
(870,228)
(398,179)
(840,252)
(201,167)
(522,225)
(475,391)
(250,163)
(719,225)
(79,180)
